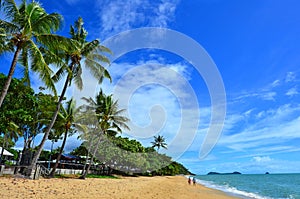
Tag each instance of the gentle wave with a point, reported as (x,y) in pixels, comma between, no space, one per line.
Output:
(231,190)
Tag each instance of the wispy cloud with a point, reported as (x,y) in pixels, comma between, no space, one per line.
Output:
(262,159)
(268,96)
(117,15)
(292,92)
(271,91)
(291,76)
(275,83)
(274,128)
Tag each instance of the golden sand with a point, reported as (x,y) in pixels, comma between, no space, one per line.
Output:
(130,187)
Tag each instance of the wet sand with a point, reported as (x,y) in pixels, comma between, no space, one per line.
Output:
(129,187)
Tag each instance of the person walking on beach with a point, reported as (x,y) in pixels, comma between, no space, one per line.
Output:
(189,180)
(194,181)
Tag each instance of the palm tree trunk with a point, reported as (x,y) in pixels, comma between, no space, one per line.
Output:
(10,74)
(93,155)
(60,153)
(87,157)
(45,137)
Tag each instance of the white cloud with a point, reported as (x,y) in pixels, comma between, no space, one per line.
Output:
(117,16)
(270,91)
(292,92)
(248,113)
(270,133)
(290,77)
(268,96)
(275,83)
(262,159)
(260,114)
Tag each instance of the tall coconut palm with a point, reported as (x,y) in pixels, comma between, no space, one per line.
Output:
(67,121)
(159,141)
(73,55)
(28,27)
(109,120)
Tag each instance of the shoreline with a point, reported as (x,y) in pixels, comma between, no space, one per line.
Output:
(125,187)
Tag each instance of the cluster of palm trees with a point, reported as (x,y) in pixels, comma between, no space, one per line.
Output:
(28,33)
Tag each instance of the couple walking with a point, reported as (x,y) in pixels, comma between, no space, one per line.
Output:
(190,180)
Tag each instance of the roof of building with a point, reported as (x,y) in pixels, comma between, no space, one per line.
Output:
(6,153)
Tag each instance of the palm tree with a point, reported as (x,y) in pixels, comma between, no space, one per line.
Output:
(73,54)
(158,142)
(66,120)
(29,27)
(109,120)
(11,132)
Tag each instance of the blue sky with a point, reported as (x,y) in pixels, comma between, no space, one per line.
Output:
(255,46)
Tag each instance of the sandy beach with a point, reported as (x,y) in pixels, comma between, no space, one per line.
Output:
(134,187)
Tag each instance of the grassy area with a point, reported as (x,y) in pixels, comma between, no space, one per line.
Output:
(98,176)
(74,176)
(67,175)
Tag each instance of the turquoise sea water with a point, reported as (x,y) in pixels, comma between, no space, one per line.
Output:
(255,185)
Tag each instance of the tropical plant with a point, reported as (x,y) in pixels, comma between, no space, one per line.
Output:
(16,110)
(159,141)
(110,120)
(67,122)
(10,133)
(28,27)
(73,54)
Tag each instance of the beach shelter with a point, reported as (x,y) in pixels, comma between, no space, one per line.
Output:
(6,153)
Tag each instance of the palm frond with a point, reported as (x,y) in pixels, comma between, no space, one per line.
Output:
(89,47)
(10,8)
(77,78)
(55,42)
(97,70)
(23,60)
(40,66)
(9,28)
(96,57)
(104,49)
(47,23)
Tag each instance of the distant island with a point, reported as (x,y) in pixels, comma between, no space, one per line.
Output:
(216,173)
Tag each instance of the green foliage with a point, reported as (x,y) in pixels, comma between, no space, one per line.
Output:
(8,163)
(72,176)
(99,176)
(80,151)
(14,152)
(28,27)
(129,156)
(17,108)
(45,155)
(76,176)
(9,143)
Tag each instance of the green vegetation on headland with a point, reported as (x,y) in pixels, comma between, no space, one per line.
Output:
(34,46)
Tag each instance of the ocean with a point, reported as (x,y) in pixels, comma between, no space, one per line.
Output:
(258,186)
